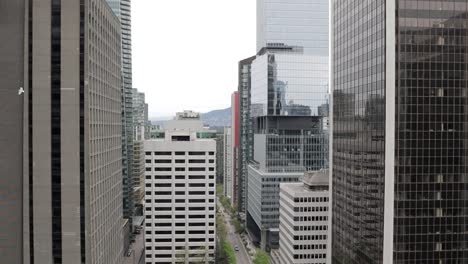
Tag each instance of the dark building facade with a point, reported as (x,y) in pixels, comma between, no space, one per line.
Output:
(245,130)
(400,182)
(122,9)
(12,61)
(61,186)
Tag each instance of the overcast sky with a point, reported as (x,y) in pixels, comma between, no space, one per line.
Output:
(185,52)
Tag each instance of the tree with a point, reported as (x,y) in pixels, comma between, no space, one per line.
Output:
(261,258)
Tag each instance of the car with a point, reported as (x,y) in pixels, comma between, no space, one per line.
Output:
(236,248)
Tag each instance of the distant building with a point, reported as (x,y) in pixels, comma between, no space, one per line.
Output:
(220,157)
(245,152)
(180,196)
(228,166)
(288,91)
(122,9)
(304,220)
(235,130)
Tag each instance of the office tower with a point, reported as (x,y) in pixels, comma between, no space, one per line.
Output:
(235,145)
(122,9)
(12,105)
(68,103)
(139,115)
(289,88)
(304,220)
(140,123)
(293,23)
(399,151)
(245,132)
(180,193)
(227,180)
(220,157)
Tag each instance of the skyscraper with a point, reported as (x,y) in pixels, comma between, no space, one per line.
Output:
(66,119)
(122,9)
(245,132)
(289,87)
(399,132)
(228,166)
(180,193)
(12,125)
(235,146)
(293,23)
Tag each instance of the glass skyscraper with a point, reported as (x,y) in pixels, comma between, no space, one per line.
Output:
(122,9)
(299,23)
(399,164)
(288,93)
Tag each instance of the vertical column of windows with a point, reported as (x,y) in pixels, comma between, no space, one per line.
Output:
(56,130)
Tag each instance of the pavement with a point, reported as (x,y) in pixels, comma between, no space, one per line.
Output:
(137,250)
(242,257)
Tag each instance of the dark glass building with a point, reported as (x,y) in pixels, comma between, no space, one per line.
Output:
(288,96)
(246,132)
(399,122)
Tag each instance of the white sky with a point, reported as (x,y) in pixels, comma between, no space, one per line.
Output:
(185,52)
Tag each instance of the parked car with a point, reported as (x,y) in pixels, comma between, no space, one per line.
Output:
(236,248)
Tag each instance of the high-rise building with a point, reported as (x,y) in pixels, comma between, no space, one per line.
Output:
(245,133)
(140,123)
(220,157)
(235,146)
(289,89)
(62,88)
(304,221)
(399,132)
(139,115)
(293,23)
(14,187)
(180,193)
(122,9)
(228,166)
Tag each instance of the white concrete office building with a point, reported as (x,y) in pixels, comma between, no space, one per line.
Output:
(304,220)
(180,194)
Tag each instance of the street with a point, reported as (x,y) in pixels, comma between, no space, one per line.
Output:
(242,257)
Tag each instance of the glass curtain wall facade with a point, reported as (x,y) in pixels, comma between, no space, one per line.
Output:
(295,23)
(358,131)
(289,90)
(246,132)
(431,180)
(429,186)
(122,9)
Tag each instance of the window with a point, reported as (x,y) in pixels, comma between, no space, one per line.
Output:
(196,161)
(162,153)
(197,169)
(162,161)
(162,169)
(199,153)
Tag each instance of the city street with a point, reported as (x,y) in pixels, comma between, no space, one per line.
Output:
(242,257)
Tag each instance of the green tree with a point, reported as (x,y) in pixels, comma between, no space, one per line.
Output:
(261,258)
(230,254)
(238,226)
